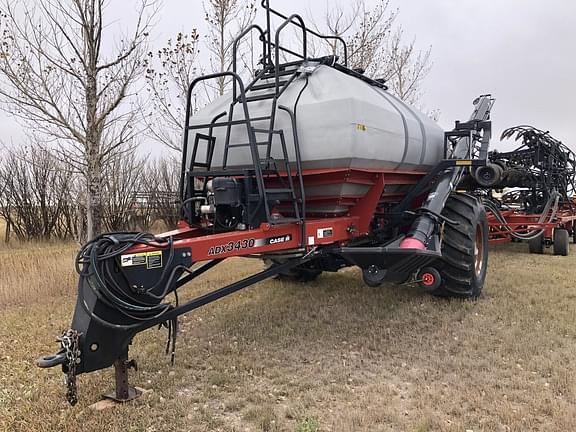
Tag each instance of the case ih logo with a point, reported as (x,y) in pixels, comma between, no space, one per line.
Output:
(277,240)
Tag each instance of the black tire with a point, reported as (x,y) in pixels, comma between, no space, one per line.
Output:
(536,244)
(464,248)
(561,242)
(297,274)
(488,175)
(373,276)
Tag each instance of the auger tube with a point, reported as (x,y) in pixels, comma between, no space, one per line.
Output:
(424,227)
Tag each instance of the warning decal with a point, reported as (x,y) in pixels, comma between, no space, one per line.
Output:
(324,233)
(151,260)
(154,260)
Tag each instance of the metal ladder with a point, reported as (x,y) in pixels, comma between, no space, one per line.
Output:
(269,85)
(273,175)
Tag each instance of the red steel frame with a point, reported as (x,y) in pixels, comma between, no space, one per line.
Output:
(318,230)
(522,223)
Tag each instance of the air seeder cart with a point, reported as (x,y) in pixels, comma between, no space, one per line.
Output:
(311,167)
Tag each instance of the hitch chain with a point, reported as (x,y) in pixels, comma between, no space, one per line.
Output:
(70,344)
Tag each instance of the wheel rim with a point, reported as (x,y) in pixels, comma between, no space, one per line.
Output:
(428,279)
(479,251)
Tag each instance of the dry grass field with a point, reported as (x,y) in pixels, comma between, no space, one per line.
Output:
(332,355)
(33,272)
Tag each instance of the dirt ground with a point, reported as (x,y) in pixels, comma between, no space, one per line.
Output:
(332,355)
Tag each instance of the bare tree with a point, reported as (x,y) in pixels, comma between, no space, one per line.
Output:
(161,185)
(377,49)
(137,197)
(41,200)
(226,19)
(169,72)
(59,82)
(171,69)
(122,183)
(72,221)
(365,31)
(406,68)
(4,206)
(35,194)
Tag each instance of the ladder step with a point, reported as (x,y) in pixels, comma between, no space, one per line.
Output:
(267,131)
(222,173)
(261,97)
(230,123)
(294,63)
(272,161)
(266,86)
(199,164)
(280,73)
(278,191)
(247,144)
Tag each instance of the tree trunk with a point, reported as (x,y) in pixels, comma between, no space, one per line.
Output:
(93,135)
(93,157)
(80,231)
(94,199)
(7,234)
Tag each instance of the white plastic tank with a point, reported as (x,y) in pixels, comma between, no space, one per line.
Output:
(342,122)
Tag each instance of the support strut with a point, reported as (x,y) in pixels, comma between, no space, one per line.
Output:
(124,391)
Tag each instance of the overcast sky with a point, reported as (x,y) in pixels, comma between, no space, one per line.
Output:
(521,51)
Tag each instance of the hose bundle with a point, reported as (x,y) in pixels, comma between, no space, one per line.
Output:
(97,267)
(547,216)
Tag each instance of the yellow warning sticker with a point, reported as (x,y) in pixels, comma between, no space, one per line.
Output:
(151,260)
(361,127)
(463,162)
(154,260)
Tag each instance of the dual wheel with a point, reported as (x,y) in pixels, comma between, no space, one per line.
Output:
(560,243)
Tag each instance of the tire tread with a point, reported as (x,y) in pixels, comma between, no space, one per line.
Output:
(457,268)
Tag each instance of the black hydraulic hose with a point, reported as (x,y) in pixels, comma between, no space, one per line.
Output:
(96,266)
(161,310)
(109,324)
(299,159)
(109,254)
(299,96)
(551,205)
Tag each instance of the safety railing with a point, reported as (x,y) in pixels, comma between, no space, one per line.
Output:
(246,32)
(289,20)
(247,121)
(299,23)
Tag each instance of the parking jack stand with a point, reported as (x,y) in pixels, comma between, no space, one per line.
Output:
(124,392)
